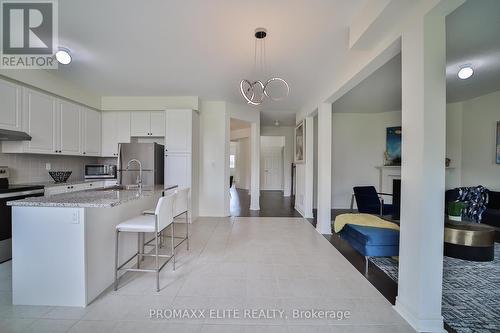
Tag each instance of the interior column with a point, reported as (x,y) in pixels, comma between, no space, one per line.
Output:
(309,167)
(255,166)
(422,173)
(325,129)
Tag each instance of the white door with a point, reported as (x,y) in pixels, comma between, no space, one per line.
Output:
(40,112)
(178,169)
(157,123)
(69,128)
(272,167)
(92,133)
(10,106)
(140,123)
(178,130)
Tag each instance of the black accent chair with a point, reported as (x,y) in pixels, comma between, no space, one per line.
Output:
(370,201)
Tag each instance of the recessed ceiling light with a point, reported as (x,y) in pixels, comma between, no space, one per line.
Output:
(465,72)
(63,56)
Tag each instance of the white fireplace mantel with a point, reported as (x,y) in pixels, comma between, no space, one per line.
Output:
(387,173)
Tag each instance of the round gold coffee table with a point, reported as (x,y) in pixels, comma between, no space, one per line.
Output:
(469,241)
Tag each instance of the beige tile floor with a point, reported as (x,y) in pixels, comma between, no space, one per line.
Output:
(233,263)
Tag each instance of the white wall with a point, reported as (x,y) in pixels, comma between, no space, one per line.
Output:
(478,140)
(214,159)
(243,164)
(288,156)
(454,120)
(358,148)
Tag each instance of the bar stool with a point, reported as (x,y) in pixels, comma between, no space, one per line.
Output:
(181,206)
(162,218)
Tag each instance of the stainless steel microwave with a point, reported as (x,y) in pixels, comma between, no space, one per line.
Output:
(100,171)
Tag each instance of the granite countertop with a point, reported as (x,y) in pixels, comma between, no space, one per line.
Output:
(48,184)
(95,198)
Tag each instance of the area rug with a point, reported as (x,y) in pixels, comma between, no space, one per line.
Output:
(471,292)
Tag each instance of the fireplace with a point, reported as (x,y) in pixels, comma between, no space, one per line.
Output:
(396,198)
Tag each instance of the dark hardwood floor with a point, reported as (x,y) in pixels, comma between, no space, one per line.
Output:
(384,284)
(272,204)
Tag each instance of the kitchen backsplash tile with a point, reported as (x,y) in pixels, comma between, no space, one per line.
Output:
(29,168)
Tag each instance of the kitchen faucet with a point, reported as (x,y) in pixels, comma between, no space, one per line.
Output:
(139,182)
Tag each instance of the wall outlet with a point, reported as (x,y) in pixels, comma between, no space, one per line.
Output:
(48,166)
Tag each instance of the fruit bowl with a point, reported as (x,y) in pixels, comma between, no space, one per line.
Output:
(60,176)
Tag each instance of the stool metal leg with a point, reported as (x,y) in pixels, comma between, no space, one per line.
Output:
(187,230)
(139,250)
(173,246)
(143,239)
(116,260)
(157,263)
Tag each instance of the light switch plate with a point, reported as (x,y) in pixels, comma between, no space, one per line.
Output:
(48,166)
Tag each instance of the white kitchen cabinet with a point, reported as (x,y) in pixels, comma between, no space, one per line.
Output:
(91,132)
(68,129)
(147,123)
(74,187)
(178,169)
(157,123)
(182,151)
(10,106)
(115,129)
(39,112)
(179,131)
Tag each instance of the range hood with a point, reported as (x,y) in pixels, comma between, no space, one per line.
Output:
(7,135)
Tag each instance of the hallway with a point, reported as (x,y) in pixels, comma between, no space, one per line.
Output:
(272,204)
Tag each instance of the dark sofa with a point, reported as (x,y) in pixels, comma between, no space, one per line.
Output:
(492,214)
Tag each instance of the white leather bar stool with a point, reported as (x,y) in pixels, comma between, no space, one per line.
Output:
(162,218)
(181,206)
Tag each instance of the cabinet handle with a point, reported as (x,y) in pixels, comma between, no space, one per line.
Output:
(84,153)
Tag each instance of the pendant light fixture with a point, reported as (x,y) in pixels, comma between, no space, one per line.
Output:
(254,92)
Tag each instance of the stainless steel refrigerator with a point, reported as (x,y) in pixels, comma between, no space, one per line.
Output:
(151,156)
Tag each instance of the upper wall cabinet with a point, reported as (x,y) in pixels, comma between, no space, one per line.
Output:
(91,132)
(10,106)
(56,127)
(68,129)
(40,117)
(115,129)
(147,123)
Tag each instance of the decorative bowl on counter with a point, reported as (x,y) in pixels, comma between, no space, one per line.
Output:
(60,176)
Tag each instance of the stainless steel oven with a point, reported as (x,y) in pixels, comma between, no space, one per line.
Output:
(8,193)
(100,171)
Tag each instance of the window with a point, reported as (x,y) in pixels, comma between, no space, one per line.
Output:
(232,161)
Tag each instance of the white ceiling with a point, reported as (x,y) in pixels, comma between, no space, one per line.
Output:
(269,117)
(472,37)
(202,48)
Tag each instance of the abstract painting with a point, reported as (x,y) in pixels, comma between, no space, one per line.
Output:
(498,142)
(299,143)
(393,146)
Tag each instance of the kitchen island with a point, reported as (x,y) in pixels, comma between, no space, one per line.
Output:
(63,245)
